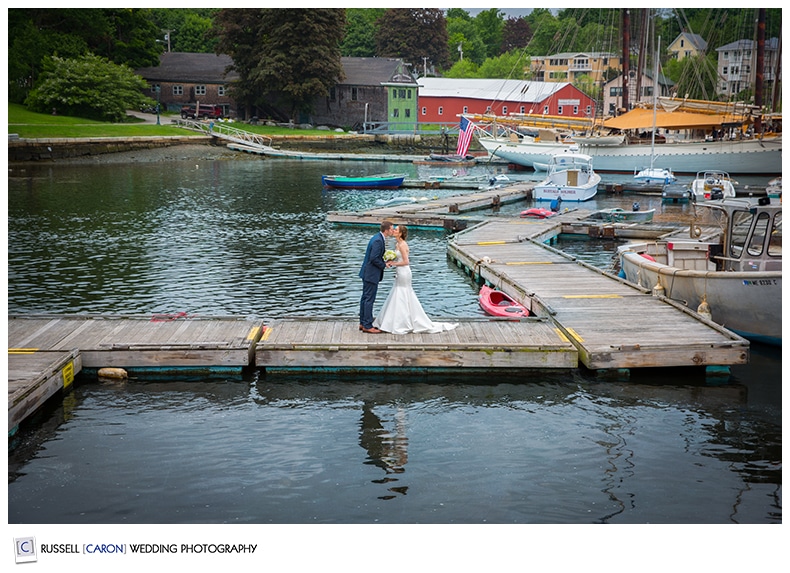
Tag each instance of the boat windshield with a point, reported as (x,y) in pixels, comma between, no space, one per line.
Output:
(755,235)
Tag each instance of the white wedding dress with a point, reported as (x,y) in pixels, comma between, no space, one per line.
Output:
(402,312)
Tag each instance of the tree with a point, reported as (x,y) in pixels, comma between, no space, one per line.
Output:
(463,69)
(123,36)
(516,34)
(511,65)
(489,25)
(412,34)
(284,57)
(88,86)
(360,40)
(189,29)
(461,30)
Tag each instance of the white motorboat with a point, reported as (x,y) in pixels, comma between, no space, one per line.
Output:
(712,184)
(570,178)
(727,268)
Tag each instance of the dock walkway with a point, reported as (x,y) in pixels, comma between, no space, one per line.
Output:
(612,323)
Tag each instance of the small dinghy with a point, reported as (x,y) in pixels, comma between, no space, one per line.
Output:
(537,213)
(497,303)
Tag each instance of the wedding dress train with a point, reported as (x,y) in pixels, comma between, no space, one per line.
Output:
(402,312)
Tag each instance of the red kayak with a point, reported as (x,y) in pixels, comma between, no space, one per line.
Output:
(537,213)
(497,303)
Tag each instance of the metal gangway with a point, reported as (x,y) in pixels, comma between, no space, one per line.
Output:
(254,141)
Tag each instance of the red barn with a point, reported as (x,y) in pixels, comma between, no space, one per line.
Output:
(442,100)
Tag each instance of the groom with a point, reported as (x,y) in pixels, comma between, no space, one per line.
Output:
(371,273)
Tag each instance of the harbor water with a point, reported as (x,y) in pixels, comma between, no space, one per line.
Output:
(250,238)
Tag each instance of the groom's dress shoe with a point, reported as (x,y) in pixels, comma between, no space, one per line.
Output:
(373,330)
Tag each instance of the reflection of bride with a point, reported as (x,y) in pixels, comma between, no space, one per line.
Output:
(402,312)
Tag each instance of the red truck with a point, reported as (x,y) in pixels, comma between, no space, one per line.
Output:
(206,111)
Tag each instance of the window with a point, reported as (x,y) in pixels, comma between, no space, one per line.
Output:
(522,109)
(576,110)
(466,109)
(394,94)
(200,90)
(504,110)
(755,248)
(354,94)
(741,221)
(178,90)
(395,112)
(402,93)
(589,110)
(441,110)
(559,110)
(407,112)
(615,91)
(775,244)
(545,110)
(408,94)
(424,110)
(220,90)
(724,70)
(332,94)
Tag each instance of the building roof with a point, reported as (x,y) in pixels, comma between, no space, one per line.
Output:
(189,67)
(489,89)
(772,44)
(374,71)
(571,55)
(695,40)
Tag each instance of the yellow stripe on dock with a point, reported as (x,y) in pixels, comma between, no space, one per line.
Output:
(267,330)
(491,242)
(529,263)
(592,296)
(22,350)
(561,334)
(575,335)
(253,332)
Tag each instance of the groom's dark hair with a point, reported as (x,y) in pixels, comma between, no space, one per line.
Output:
(386,225)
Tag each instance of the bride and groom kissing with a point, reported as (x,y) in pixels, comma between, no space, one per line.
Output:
(401,312)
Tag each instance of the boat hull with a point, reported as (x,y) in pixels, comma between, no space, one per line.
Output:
(371,182)
(746,157)
(747,303)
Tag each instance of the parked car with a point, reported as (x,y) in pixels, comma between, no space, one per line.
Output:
(206,111)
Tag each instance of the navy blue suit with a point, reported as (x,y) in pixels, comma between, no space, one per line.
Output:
(371,273)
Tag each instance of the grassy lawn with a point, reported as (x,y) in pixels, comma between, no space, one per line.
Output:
(33,125)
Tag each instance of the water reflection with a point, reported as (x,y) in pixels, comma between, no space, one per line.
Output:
(387,447)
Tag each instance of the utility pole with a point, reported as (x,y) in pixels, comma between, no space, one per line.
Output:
(425,66)
(167,37)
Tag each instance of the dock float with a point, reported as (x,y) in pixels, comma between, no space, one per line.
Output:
(449,213)
(321,343)
(137,342)
(613,324)
(35,376)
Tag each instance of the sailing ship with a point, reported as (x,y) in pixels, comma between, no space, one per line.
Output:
(716,135)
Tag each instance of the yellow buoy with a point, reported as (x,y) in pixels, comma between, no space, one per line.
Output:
(118,373)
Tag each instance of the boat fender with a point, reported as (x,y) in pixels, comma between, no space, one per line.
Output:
(118,373)
(658,290)
(696,231)
(704,309)
(648,257)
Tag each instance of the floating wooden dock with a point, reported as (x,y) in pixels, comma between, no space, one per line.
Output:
(450,213)
(613,324)
(339,344)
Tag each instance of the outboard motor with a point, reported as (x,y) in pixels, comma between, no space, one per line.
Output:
(555,204)
(717,194)
(635,206)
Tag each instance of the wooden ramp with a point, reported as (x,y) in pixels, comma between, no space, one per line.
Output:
(34,377)
(141,341)
(305,343)
(612,323)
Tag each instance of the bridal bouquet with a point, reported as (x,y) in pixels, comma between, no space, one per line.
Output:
(390,255)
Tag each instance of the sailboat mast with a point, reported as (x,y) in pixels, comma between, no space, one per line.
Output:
(760,75)
(655,104)
(626,56)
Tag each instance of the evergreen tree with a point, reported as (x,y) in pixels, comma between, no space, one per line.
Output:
(284,57)
(412,34)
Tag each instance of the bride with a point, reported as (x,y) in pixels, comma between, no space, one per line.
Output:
(402,312)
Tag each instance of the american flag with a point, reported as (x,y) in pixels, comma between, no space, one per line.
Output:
(464,136)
